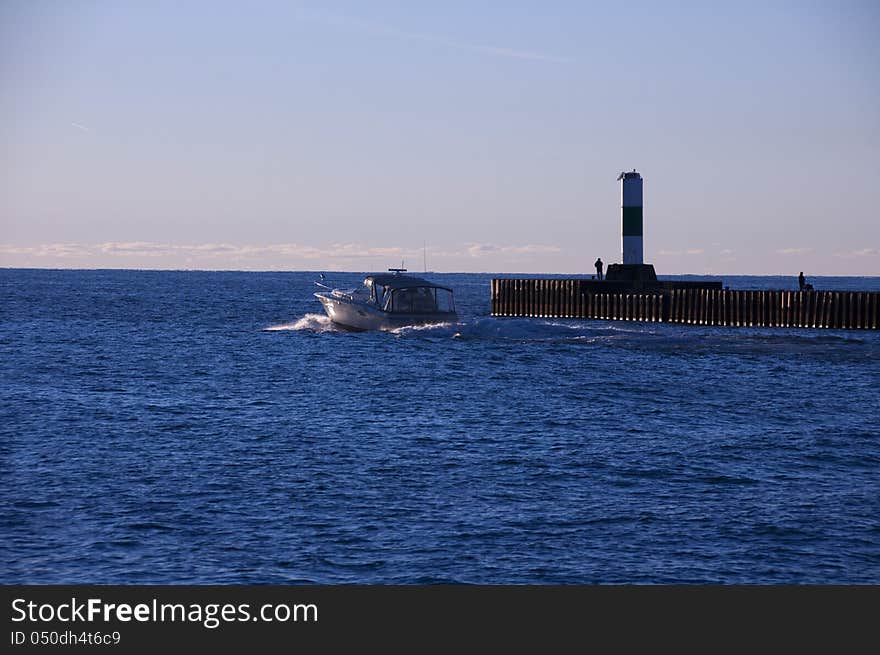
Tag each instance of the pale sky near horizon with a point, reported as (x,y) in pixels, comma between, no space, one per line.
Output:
(347,135)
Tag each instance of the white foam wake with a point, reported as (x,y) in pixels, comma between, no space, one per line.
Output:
(531,329)
(507,329)
(438,328)
(312,322)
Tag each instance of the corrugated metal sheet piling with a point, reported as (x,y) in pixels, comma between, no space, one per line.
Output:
(684,303)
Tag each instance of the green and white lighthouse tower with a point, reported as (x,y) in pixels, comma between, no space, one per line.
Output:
(631,217)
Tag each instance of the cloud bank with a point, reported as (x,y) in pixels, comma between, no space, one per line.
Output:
(290,256)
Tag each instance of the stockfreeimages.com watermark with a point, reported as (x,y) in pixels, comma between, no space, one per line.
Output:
(209,615)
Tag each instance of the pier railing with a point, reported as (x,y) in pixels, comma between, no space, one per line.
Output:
(561,298)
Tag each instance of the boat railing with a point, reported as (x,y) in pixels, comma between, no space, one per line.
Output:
(321,283)
(344,293)
(348,294)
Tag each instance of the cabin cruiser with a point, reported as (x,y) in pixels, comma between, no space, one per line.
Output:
(387,301)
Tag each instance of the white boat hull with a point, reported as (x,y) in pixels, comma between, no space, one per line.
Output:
(354,315)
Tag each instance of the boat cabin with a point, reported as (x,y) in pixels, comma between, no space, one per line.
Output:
(403,294)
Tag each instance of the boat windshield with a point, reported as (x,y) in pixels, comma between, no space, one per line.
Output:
(419,300)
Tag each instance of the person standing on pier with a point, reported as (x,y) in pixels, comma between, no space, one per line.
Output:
(598,268)
(802,281)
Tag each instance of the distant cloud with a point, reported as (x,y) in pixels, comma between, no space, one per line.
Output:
(224,255)
(480,249)
(210,254)
(864,252)
(141,248)
(377,29)
(81,127)
(61,250)
(793,251)
(213,250)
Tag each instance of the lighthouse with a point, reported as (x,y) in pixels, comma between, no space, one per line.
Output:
(631,217)
(633,271)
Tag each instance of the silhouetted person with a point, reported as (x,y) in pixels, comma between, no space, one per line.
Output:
(802,281)
(599,268)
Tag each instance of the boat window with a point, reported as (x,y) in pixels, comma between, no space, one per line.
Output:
(419,300)
(402,300)
(424,300)
(444,301)
(379,290)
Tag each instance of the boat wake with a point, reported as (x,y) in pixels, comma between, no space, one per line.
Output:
(534,330)
(475,329)
(653,337)
(438,329)
(310,322)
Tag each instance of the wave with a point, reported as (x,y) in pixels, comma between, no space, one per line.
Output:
(658,337)
(542,330)
(433,329)
(485,328)
(310,322)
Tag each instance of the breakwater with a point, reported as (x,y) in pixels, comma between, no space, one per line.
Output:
(681,302)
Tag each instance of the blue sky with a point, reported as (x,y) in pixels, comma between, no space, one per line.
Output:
(344,136)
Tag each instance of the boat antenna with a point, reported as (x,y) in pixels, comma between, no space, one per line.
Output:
(397,271)
(425,256)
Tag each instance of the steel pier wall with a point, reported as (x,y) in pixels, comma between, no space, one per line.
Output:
(560,298)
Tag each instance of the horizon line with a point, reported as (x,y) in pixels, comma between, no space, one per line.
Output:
(329,270)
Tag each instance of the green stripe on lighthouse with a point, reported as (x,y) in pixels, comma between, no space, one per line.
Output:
(632,221)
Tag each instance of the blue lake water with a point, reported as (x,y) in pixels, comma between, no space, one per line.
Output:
(213,427)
